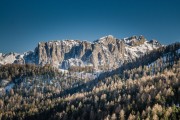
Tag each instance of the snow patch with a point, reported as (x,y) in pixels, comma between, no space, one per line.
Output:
(9,87)
(72,62)
(70,43)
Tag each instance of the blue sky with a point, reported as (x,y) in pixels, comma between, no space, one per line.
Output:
(24,23)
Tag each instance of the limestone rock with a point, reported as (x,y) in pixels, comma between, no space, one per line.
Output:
(105,53)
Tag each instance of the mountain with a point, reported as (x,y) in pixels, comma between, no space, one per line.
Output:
(145,88)
(11,58)
(105,53)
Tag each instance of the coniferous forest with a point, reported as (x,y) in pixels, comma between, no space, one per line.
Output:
(147,88)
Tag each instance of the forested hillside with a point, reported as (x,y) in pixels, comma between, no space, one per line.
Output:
(147,88)
(15,71)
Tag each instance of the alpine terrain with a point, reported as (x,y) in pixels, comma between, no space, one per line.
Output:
(105,51)
(108,79)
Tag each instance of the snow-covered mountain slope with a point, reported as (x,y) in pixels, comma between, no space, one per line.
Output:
(72,62)
(136,51)
(105,53)
(10,58)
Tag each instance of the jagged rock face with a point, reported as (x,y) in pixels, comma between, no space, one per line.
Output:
(19,59)
(72,62)
(135,40)
(58,51)
(106,52)
(8,58)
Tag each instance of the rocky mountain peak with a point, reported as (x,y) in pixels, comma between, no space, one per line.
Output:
(135,40)
(106,39)
(105,53)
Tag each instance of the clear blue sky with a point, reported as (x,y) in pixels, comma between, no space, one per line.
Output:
(24,23)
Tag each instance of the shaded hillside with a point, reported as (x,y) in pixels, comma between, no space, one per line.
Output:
(17,71)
